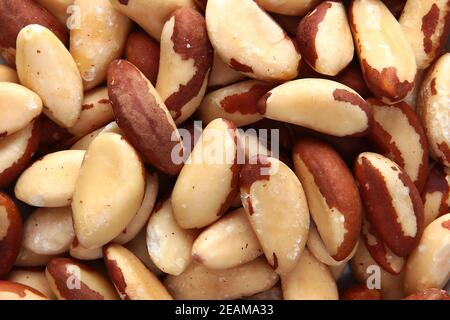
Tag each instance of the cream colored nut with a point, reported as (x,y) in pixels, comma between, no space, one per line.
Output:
(436,194)
(249,41)
(59,8)
(319,251)
(309,280)
(185,63)
(326,24)
(322,105)
(83,143)
(228,243)
(144,212)
(16,152)
(398,134)
(237,103)
(50,181)
(392,202)
(71,280)
(432,105)
(252,145)
(49,231)
(200,283)
(60,88)
(79,252)
(28,258)
(131,278)
(332,195)
(99,39)
(273,293)
(222,74)
(387,60)
(34,278)
(8,74)
(288,7)
(169,246)
(428,265)
(96,112)
(425,24)
(18,107)
(160,11)
(368,272)
(208,182)
(276,206)
(138,246)
(108,192)
(16,291)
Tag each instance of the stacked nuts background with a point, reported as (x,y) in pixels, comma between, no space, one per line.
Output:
(107,194)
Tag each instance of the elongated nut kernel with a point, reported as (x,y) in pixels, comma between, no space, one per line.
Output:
(50,181)
(426,25)
(248,40)
(309,280)
(72,280)
(108,192)
(34,278)
(236,102)
(288,7)
(276,206)
(131,278)
(61,89)
(393,204)
(228,243)
(28,258)
(427,266)
(436,193)
(327,21)
(185,63)
(208,182)
(322,105)
(98,39)
(200,283)
(332,194)
(79,252)
(432,105)
(143,117)
(169,245)
(16,291)
(387,60)
(10,233)
(18,107)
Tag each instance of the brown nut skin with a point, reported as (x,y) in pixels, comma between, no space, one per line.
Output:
(429,294)
(143,51)
(359,292)
(53,137)
(398,134)
(143,117)
(16,291)
(16,14)
(332,195)
(10,233)
(72,280)
(436,193)
(28,140)
(392,202)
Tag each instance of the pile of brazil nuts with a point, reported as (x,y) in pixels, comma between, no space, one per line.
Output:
(224,149)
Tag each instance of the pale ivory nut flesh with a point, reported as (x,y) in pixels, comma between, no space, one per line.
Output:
(208,182)
(249,41)
(49,231)
(276,206)
(98,39)
(309,280)
(326,24)
(201,283)
(50,181)
(387,59)
(169,246)
(18,107)
(79,252)
(432,104)
(61,9)
(428,266)
(28,258)
(160,11)
(45,66)
(221,73)
(16,291)
(228,243)
(288,7)
(108,192)
(131,278)
(85,141)
(318,104)
(8,74)
(34,278)
(436,194)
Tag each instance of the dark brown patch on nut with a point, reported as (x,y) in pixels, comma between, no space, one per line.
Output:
(354,99)
(124,2)
(433,87)
(18,289)
(116,274)
(429,294)
(236,65)
(437,182)
(87,106)
(446,224)
(104,101)
(445,149)
(3,134)
(429,24)
(262,103)
(275,261)
(245,102)
(253,172)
